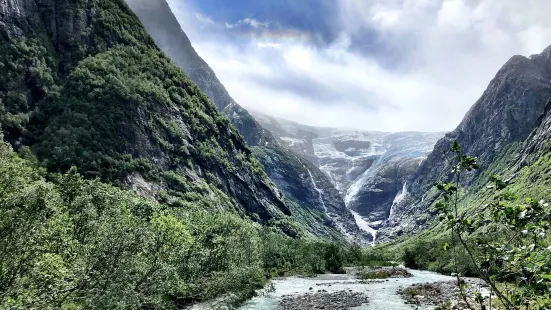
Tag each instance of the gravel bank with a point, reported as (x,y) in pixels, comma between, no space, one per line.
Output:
(382,273)
(341,300)
(439,293)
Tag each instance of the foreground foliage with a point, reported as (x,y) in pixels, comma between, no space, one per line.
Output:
(502,241)
(98,94)
(73,243)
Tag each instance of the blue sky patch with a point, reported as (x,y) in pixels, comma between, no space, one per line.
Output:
(391,65)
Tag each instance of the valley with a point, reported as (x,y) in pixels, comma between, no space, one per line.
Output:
(369,169)
(131,178)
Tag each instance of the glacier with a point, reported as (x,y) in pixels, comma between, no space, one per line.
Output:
(368,168)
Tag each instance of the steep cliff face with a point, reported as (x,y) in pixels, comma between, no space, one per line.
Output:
(164,28)
(84,85)
(369,169)
(250,129)
(295,137)
(378,194)
(512,107)
(161,23)
(312,197)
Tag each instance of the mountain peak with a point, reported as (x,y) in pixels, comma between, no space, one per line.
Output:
(546,52)
(506,113)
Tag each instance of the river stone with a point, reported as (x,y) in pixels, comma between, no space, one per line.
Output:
(438,293)
(341,300)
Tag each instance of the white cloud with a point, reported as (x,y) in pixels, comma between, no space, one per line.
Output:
(204,19)
(448,51)
(455,14)
(248,21)
(268,45)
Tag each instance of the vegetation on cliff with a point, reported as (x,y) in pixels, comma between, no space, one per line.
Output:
(496,235)
(92,108)
(98,94)
(73,243)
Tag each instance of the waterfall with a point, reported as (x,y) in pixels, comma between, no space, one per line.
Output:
(319,190)
(399,198)
(363,224)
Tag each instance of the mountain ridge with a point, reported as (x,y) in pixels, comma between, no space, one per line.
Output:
(86,86)
(494,128)
(368,168)
(161,23)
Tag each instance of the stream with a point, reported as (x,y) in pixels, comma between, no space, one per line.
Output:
(382,294)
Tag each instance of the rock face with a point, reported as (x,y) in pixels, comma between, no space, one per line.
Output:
(162,25)
(513,106)
(375,192)
(312,197)
(297,187)
(84,85)
(369,169)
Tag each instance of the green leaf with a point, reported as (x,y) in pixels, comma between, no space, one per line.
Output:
(455,147)
(446,246)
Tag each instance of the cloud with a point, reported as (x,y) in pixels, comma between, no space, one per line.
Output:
(248,22)
(268,45)
(204,19)
(390,65)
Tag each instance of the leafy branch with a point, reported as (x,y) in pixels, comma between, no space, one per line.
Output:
(518,254)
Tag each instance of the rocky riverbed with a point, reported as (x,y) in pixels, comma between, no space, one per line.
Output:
(341,300)
(341,292)
(443,292)
(381,273)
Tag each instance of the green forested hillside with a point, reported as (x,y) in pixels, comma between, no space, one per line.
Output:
(529,180)
(121,186)
(161,23)
(85,86)
(72,243)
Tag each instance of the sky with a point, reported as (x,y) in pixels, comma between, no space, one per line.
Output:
(387,65)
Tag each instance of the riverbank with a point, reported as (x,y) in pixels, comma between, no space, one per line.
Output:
(443,293)
(302,293)
(341,300)
(348,291)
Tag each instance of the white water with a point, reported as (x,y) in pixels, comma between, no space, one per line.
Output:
(320,192)
(320,198)
(399,198)
(363,224)
(382,295)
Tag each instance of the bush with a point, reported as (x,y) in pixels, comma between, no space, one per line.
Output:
(72,242)
(504,240)
(409,258)
(370,275)
(384,273)
(334,258)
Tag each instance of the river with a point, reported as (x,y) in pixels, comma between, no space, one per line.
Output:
(382,294)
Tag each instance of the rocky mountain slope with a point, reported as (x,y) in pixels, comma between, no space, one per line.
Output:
(303,196)
(84,85)
(164,28)
(369,169)
(506,129)
(311,196)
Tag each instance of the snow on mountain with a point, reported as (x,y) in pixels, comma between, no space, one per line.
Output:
(368,168)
